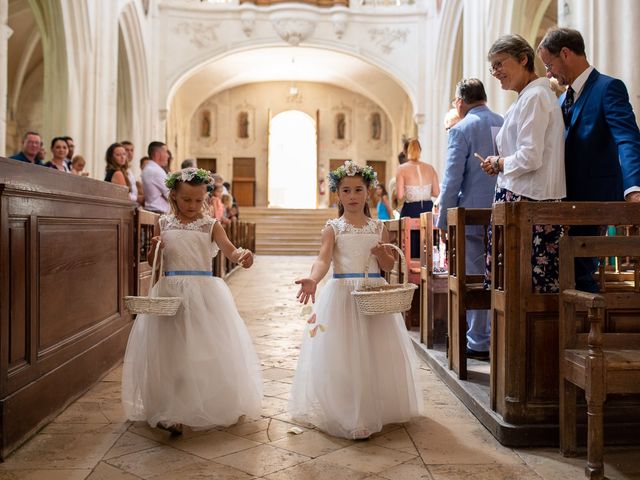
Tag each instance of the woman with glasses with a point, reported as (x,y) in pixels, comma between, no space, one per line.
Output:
(530,144)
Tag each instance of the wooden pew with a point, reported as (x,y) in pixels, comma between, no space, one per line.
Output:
(66,251)
(466,292)
(408,225)
(433,298)
(596,360)
(524,370)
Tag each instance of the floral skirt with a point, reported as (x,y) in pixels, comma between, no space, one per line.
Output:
(544,252)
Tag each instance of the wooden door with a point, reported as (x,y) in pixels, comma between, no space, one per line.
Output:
(333,164)
(244,181)
(380,166)
(210,164)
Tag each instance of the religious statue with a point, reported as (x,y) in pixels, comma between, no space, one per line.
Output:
(243,125)
(340,126)
(205,125)
(376,126)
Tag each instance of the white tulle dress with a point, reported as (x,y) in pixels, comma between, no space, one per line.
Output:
(198,367)
(356,373)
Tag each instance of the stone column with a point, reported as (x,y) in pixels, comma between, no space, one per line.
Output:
(5,33)
(610,31)
(485,21)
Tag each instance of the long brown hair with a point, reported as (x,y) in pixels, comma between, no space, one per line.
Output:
(367,211)
(113,166)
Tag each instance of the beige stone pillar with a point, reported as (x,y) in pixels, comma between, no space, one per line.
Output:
(5,33)
(610,31)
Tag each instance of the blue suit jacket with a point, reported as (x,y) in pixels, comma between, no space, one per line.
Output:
(602,142)
(464,184)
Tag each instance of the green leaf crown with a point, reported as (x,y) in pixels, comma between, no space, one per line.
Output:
(351,169)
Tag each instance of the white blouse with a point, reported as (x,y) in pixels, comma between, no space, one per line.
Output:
(531,141)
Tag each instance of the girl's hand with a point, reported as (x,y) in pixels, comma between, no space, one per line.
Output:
(155,241)
(246,259)
(379,250)
(307,289)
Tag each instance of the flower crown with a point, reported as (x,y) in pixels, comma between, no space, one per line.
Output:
(191,174)
(351,169)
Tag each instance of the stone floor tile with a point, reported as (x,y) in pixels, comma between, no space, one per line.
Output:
(273,406)
(262,460)
(276,430)
(104,391)
(83,412)
(245,428)
(367,457)
(550,465)
(204,471)
(155,461)
(115,375)
(45,451)
(397,439)
(317,469)
(277,374)
(275,388)
(69,428)
(412,470)
(484,472)
(461,444)
(104,471)
(58,474)
(213,444)
(312,443)
(129,443)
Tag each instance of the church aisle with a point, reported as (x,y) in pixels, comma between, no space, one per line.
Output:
(92,440)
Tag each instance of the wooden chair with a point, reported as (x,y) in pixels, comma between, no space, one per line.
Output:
(393,227)
(145,223)
(433,299)
(466,292)
(599,362)
(408,225)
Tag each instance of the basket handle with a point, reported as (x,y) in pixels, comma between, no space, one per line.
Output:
(157,253)
(402,262)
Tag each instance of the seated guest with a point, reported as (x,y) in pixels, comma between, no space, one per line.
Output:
(77,166)
(216,207)
(117,171)
(143,162)
(130,149)
(188,163)
(72,148)
(60,150)
(156,193)
(31,143)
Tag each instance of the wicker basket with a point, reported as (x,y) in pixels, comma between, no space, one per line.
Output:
(149,304)
(384,298)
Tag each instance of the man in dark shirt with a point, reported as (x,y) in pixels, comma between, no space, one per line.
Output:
(30,147)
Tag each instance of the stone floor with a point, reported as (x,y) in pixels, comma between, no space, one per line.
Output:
(93,440)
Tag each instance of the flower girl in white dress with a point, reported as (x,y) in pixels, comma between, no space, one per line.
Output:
(356,373)
(197,367)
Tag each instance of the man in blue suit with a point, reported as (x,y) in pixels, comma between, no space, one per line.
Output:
(466,185)
(602,140)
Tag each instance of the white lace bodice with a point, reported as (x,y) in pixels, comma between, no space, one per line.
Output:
(187,246)
(416,193)
(353,245)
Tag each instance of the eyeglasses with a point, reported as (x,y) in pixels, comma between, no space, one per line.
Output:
(495,66)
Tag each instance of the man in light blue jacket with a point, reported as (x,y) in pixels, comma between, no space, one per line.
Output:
(466,185)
